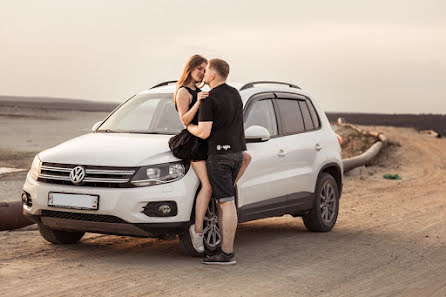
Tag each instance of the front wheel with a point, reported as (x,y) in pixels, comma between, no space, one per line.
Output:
(211,233)
(324,214)
(59,237)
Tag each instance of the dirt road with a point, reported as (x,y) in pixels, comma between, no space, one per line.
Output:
(390,240)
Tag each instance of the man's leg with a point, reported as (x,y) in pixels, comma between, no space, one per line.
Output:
(229,219)
(245,163)
(222,173)
(220,220)
(229,208)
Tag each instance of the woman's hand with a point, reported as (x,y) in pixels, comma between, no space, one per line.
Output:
(202,95)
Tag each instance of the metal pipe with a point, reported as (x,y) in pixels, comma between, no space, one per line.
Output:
(368,155)
(11,216)
(363,158)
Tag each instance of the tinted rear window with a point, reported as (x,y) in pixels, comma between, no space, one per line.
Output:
(291,117)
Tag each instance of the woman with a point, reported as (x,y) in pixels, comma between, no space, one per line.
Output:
(186,146)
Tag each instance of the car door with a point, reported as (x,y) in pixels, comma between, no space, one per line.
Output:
(261,177)
(299,142)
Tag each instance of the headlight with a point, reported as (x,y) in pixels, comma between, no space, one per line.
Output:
(160,174)
(35,167)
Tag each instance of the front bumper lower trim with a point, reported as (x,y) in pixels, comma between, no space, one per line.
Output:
(123,229)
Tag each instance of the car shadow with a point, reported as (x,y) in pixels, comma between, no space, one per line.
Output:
(254,240)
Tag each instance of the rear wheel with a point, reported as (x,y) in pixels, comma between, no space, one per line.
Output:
(60,237)
(324,214)
(211,233)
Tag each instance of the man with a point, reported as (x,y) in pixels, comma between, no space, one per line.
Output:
(221,123)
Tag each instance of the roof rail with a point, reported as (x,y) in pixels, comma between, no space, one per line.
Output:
(251,84)
(164,84)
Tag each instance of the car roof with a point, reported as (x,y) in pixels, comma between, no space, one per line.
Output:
(245,93)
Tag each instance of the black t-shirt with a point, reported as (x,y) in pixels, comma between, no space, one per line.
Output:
(224,107)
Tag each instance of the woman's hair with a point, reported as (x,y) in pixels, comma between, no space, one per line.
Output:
(191,64)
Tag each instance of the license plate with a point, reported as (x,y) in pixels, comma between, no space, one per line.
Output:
(76,201)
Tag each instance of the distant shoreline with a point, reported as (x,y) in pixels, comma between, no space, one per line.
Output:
(57,103)
(436,122)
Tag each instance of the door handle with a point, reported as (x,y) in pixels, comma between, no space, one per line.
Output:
(317,147)
(282,153)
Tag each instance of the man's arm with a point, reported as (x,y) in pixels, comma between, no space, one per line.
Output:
(202,130)
(205,120)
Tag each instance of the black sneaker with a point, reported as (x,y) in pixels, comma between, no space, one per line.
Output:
(220,259)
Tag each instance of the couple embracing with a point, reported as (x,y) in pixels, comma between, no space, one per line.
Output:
(214,142)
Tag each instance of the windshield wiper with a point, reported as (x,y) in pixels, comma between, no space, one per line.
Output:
(147,132)
(109,131)
(134,132)
(154,132)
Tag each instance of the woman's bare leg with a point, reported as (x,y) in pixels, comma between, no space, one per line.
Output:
(245,163)
(204,195)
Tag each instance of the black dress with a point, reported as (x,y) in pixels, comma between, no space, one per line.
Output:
(185,145)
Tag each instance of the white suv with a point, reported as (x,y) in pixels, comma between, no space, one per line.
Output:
(122,178)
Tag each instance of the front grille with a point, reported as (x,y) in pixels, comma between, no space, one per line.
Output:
(95,176)
(82,216)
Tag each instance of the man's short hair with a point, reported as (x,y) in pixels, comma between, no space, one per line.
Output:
(220,66)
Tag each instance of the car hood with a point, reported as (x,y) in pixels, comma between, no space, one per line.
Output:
(111,149)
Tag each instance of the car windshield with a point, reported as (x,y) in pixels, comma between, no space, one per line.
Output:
(145,113)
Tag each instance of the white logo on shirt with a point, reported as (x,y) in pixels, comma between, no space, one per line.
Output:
(225,147)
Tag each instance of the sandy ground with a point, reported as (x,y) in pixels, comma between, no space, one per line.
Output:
(390,240)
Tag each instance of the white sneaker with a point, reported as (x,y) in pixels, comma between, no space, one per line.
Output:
(197,239)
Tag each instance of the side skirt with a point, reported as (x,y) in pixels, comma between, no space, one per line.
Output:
(295,204)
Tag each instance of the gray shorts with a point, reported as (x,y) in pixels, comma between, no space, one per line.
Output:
(222,172)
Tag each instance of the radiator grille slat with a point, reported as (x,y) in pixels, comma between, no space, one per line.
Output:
(95,176)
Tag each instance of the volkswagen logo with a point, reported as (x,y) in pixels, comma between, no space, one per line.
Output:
(77,174)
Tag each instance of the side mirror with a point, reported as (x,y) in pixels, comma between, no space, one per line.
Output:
(257,134)
(95,126)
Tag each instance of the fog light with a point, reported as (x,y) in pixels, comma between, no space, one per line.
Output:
(26,198)
(164,209)
(161,209)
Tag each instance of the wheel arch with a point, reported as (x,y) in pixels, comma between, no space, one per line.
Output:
(334,170)
(197,189)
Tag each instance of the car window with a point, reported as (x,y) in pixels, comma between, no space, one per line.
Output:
(262,114)
(290,116)
(146,113)
(313,114)
(306,115)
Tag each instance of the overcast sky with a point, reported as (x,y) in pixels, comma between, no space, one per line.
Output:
(359,56)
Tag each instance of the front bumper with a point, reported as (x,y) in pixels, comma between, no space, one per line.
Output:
(127,204)
(121,228)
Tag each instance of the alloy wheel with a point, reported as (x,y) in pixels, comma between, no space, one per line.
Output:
(211,230)
(328,203)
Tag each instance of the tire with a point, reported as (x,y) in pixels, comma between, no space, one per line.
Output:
(189,249)
(212,235)
(60,237)
(324,214)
